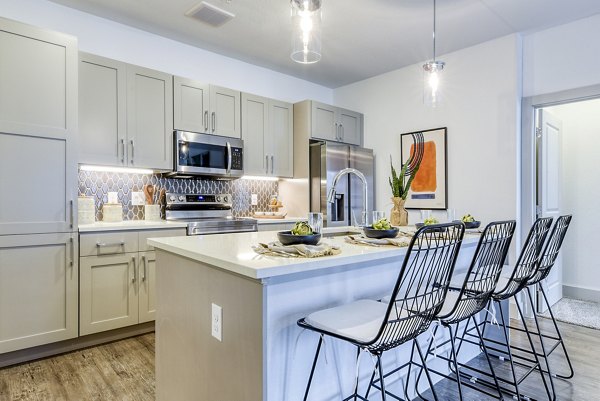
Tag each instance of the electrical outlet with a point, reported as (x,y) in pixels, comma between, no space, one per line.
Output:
(254,200)
(137,198)
(217,322)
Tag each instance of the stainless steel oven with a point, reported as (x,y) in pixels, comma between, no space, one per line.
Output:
(207,155)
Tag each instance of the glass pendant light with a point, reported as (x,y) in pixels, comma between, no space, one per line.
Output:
(306,31)
(432,70)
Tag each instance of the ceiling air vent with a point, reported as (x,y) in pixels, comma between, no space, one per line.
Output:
(209,14)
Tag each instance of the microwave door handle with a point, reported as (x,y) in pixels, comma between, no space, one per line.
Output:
(229,158)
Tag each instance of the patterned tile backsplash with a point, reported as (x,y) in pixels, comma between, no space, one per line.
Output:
(99,184)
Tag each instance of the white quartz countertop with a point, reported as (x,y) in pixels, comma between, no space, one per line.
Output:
(278,221)
(130,225)
(233,252)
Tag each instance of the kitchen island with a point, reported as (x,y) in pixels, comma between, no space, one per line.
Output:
(262,355)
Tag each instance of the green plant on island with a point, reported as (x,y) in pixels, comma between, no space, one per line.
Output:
(400,183)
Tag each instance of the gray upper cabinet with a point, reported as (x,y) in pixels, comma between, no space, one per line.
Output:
(267,131)
(149,118)
(125,114)
(102,110)
(38,122)
(335,124)
(204,108)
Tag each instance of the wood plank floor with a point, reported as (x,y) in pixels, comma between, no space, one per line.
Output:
(119,371)
(124,371)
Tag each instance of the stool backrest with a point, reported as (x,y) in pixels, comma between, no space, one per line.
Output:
(422,284)
(528,260)
(552,248)
(484,271)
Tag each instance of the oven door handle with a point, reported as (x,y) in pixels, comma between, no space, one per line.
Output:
(229,158)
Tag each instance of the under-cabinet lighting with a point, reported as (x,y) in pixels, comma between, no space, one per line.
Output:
(258,178)
(109,169)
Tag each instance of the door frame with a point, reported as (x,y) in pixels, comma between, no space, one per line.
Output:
(529,109)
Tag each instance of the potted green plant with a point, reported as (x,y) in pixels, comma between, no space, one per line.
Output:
(400,185)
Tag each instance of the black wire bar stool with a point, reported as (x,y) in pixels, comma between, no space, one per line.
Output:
(465,302)
(418,296)
(547,261)
(511,282)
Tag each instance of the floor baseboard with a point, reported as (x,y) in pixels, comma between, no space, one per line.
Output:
(585,294)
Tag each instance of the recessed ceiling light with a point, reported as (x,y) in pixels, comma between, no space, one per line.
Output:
(210,14)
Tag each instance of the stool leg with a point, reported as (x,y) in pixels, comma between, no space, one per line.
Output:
(562,343)
(455,361)
(509,352)
(410,362)
(429,347)
(312,371)
(487,357)
(425,368)
(380,368)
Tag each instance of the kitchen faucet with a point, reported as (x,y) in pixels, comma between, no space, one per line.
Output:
(361,176)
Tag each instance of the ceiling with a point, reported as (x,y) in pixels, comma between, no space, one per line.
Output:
(361,38)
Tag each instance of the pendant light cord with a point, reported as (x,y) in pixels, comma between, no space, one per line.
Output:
(434,30)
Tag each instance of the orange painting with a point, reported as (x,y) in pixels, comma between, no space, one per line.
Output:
(425,180)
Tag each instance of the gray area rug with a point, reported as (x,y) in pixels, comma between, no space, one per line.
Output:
(574,311)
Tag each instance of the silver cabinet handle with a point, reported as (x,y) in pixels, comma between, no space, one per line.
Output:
(267,164)
(341,131)
(71,211)
(205,120)
(132,150)
(229,157)
(72,252)
(106,244)
(134,276)
(337,132)
(214,121)
(272,164)
(144,271)
(122,151)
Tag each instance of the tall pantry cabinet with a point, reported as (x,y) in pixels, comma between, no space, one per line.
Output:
(38,172)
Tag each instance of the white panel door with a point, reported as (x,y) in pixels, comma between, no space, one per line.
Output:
(149,118)
(38,290)
(225,119)
(108,292)
(281,138)
(254,134)
(190,105)
(549,171)
(350,130)
(324,122)
(147,286)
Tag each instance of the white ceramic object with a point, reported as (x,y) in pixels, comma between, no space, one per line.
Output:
(112,212)
(152,212)
(86,210)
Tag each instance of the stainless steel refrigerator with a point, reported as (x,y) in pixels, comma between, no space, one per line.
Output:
(326,160)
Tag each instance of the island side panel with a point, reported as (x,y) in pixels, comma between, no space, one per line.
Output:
(190,363)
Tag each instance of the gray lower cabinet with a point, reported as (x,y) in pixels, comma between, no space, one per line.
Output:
(204,108)
(38,290)
(125,114)
(117,279)
(330,123)
(38,124)
(267,131)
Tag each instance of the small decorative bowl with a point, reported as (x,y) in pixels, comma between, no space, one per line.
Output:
(472,224)
(287,238)
(371,232)
(419,225)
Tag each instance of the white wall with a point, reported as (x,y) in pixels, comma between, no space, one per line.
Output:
(561,58)
(580,192)
(110,39)
(482,87)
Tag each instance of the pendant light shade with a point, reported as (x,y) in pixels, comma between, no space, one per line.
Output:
(432,75)
(306,31)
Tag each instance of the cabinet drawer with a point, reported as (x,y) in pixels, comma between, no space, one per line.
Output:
(144,235)
(96,244)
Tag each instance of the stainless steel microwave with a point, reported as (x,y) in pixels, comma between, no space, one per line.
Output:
(207,155)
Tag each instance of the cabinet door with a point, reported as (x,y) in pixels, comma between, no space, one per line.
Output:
(254,133)
(149,118)
(350,130)
(281,138)
(190,105)
(102,111)
(39,184)
(107,292)
(324,122)
(225,112)
(147,286)
(38,290)
(38,81)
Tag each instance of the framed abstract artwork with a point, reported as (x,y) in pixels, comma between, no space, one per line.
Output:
(429,189)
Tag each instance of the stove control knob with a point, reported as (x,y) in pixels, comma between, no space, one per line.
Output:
(218,198)
(181,198)
(172,198)
(226,199)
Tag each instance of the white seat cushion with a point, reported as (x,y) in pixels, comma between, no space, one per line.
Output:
(359,320)
(505,274)
(449,302)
